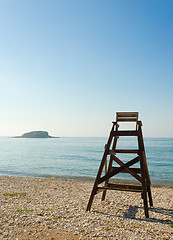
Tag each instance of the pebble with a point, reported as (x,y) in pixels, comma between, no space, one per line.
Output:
(61,205)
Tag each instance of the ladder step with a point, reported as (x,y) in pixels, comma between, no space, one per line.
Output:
(125,133)
(121,187)
(113,152)
(136,170)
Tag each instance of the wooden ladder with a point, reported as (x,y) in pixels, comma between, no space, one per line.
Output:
(141,173)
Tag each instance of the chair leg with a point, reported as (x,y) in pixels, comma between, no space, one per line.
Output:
(145,202)
(107,181)
(144,189)
(150,196)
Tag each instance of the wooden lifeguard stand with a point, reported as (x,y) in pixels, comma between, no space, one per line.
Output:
(141,173)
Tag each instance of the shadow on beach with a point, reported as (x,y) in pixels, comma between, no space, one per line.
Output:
(131,213)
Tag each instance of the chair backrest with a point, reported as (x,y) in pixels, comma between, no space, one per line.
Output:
(127,117)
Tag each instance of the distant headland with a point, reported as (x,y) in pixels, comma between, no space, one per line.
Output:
(35,134)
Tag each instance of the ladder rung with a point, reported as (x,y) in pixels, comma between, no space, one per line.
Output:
(113,152)
(125,133)
(122,187)
(136,170)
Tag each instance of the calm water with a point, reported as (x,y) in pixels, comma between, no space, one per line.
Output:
(78,157)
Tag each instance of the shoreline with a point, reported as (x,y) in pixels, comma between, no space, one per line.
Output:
(154,183)
(44,208)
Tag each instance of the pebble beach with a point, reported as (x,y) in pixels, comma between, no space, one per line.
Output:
(38,208)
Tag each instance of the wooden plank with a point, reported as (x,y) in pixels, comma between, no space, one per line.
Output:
(122,187)
(144,189)
(127,114)
(104,192)
(141,145)
(111,174)
(126,133)
(113,152)
(136,170)
(150,196)
(144,155)
(126,186)
(122,119)
(126,151)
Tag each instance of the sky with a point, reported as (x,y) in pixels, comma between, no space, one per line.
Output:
(67,67)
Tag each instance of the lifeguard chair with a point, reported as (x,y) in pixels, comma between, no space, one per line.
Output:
(141,173)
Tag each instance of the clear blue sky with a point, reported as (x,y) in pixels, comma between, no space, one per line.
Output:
(68,66)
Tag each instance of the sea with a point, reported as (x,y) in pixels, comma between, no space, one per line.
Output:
(79,158)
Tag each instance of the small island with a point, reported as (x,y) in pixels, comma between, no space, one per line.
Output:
(35,134)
